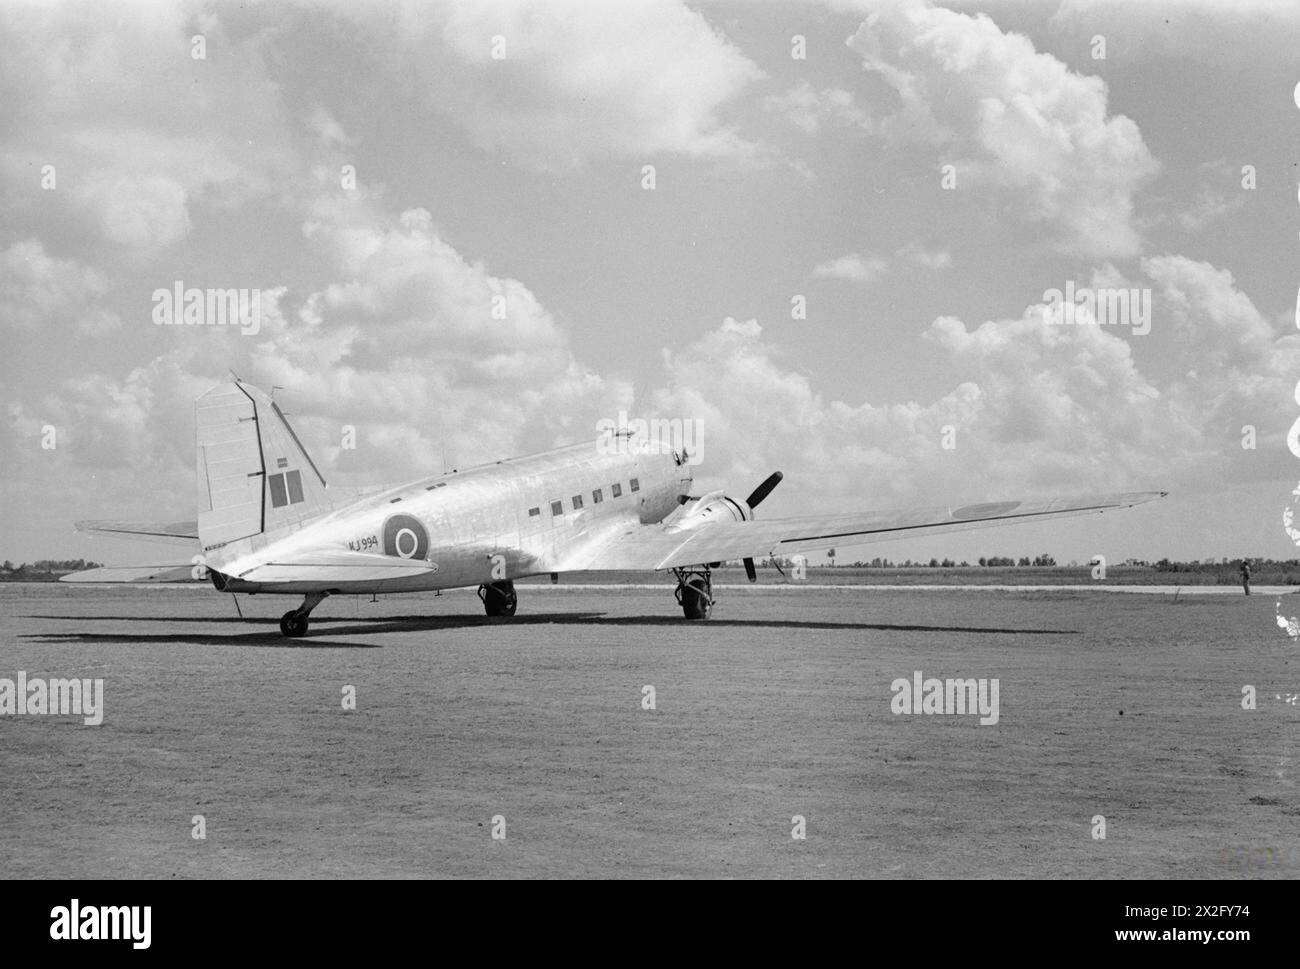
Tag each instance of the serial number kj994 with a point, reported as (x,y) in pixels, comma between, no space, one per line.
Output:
(363,544)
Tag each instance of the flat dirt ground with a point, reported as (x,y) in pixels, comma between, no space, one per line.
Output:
(1126,706)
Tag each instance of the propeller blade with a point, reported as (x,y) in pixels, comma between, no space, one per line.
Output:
(749,570)
(765,489)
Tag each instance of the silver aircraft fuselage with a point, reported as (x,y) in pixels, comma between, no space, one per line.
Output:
(495,522)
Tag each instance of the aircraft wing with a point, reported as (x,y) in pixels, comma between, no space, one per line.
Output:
(135,573)
(183,533)
(647,547)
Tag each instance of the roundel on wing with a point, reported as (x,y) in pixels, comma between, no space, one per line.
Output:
(405,537)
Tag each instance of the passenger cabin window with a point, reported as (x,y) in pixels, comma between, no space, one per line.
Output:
(634,484)
(557,509)
(597,497)
(577,502)
(534,512)
(616,490)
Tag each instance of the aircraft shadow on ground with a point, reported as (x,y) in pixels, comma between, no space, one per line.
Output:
(261,639)
(327,626)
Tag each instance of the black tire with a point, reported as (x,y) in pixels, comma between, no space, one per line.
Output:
(293,624)
(695,602)
(499,598)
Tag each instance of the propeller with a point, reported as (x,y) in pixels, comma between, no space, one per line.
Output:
(759,493)
(765,489)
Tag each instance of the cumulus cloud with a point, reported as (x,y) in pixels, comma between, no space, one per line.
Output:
(853,268)
(137,131)
(327,128)
(39,290)
(811,110)
(573,82)
(1038,408)
(926,258)
(146,215)
(859,268)
(1208,207)
(1218,194)
(423,352)
(1011,117)
(112,435)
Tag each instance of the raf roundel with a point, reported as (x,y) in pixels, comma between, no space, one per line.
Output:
(405,538)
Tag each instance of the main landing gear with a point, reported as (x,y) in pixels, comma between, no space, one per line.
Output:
(498,598)
(695,592)
(294,623)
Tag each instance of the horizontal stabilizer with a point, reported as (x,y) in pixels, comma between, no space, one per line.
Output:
(136,573)
(182,533)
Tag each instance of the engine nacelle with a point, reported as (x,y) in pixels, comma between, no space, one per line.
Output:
(713,507)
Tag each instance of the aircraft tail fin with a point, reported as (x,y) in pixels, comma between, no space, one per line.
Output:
(254,476)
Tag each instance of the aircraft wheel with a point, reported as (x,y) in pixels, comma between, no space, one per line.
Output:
(696,603)
(499,598)
(293,624)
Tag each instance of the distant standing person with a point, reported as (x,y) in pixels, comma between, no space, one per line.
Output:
(1245,576)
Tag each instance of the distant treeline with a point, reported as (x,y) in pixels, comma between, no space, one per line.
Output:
(1046,561)
(43,570)
(1045,570)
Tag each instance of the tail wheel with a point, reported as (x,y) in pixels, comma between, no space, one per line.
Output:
(499,598)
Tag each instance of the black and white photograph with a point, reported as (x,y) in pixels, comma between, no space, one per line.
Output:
(650,440)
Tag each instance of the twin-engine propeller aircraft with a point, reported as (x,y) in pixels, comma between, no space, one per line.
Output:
(267,522)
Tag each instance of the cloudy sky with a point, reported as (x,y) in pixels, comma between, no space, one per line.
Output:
(387,175)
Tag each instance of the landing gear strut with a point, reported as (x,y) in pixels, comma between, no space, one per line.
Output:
(294,623)
(498,598)
(695,592)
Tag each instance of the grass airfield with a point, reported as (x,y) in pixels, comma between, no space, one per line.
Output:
(778,706)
